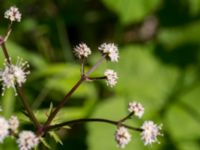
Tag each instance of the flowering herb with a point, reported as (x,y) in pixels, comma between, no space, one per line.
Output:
(14,75)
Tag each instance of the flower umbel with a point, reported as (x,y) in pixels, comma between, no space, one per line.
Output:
(13,14)
(14,74)
(150,132)
(27,140)
(110,50)
(137,108)
(122,137)
(111,77)
(4,129)
(13,124)
(82,51)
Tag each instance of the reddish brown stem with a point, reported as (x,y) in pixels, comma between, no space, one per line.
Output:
(20,92)
(71,122)
(63,102)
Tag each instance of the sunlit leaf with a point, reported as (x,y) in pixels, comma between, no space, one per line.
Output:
(130,11)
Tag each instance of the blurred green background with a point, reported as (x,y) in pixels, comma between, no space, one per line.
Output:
(159,44)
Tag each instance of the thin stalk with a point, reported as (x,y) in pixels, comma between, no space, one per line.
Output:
(8,31)
(20,92)
(95,66)
(67,96)
(82,66)
(3,45)
(127,117)
(96,78)
(91,120)
(63,102)
(27,107)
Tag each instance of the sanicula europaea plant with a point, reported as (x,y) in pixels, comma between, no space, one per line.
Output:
(14,75)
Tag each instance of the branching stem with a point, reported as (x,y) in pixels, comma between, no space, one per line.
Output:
(71,122)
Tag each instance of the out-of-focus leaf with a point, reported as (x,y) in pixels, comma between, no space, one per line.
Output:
(188,145)
(9,143)
(194,7)
(182,127)
(113,109)
(190,101)
(15,50)
(56,70)
(177,36)
(8,103)
(64,115)
(142,77)
(130,11)
(178,120)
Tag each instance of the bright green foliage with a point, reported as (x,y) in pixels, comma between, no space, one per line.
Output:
(131,11)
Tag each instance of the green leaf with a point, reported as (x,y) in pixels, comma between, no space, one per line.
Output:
(101,135)
(8,103)
(177,120)
(56,137)
(45,143)
(50,108)
(149,81)
(131,11)
(194,7)
(177,36)
(15,50)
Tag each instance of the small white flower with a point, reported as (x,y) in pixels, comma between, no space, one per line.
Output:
(13,123)
(27,140)
(4,129)
(137,108)
(14,74)
(150,132)
(82,51)
(110,50)
(111,77)
(13,14)
(122,137)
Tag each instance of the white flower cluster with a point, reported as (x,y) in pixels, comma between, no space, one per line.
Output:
(111,77)
(150,132)
(110,50)
(14,74)
(82,51)
(7,126)
(4,129)
(13,124)
(136,108)
(13,14)
(122,137)
(27,140)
